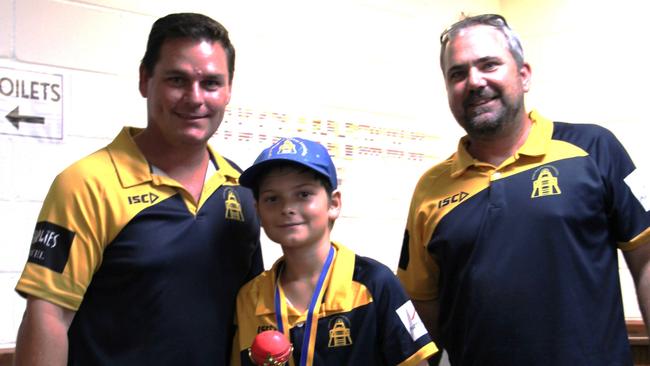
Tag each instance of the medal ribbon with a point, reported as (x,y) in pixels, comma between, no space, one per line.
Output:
(281,317)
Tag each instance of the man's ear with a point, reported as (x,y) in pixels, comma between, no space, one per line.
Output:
(334,205)
(525,73)
(144,79)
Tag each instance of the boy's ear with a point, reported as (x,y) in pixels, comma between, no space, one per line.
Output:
(335,205)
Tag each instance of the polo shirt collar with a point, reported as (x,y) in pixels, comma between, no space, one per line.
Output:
(133,169)
(338,295)
(536,144)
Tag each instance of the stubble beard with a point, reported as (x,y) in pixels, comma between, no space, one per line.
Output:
(487,122)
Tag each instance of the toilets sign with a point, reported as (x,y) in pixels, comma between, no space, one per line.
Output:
(31,103)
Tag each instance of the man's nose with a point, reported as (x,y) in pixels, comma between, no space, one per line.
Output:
(194,93)
(475,79)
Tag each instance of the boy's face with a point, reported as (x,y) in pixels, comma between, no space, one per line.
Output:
(294,208)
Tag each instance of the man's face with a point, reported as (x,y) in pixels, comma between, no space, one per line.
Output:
(188,91)
(485,87)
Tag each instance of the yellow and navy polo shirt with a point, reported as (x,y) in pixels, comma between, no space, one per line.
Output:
(365,318)
(523,257)
(151,274)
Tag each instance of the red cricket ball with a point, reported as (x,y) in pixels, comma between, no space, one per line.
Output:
(270,347)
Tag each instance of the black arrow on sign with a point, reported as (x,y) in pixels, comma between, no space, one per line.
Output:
(15,118)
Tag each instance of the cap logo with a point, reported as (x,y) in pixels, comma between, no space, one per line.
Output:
(288,146)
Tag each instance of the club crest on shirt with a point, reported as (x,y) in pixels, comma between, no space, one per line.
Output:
(339,331)
(233,205)
(545,182)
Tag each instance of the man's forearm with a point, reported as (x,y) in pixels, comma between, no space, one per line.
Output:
(43,335)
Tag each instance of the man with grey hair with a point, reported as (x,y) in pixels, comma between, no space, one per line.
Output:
(510,247)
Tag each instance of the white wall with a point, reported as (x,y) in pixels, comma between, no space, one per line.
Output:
(588,60)
(364,62)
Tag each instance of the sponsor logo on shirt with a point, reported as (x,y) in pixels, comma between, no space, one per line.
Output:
(143,198)
(339,330)
(457,198)
(50,246)
(545,182)
(639,184)
(411,320)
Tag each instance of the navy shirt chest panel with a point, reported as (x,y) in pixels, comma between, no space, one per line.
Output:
(504,220)
(179,269)
(362,324)
(542,253)
(168,238)
(157,234)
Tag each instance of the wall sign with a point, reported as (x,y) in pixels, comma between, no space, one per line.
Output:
(31,103)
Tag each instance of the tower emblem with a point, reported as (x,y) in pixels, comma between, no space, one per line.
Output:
(339,332)
(287,147)
(545,183)
(233,206)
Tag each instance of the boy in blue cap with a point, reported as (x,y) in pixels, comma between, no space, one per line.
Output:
(335,307)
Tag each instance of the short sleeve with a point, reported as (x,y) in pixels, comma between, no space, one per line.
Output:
(628,191)
(404,338)
(66,247)
(417,270)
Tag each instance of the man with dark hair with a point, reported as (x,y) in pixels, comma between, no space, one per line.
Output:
(510,249)
(140,248)
(187,25)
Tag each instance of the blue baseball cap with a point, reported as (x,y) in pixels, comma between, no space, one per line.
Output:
(310,154)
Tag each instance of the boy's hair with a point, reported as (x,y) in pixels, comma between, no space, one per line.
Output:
(284,165)
(292,153)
